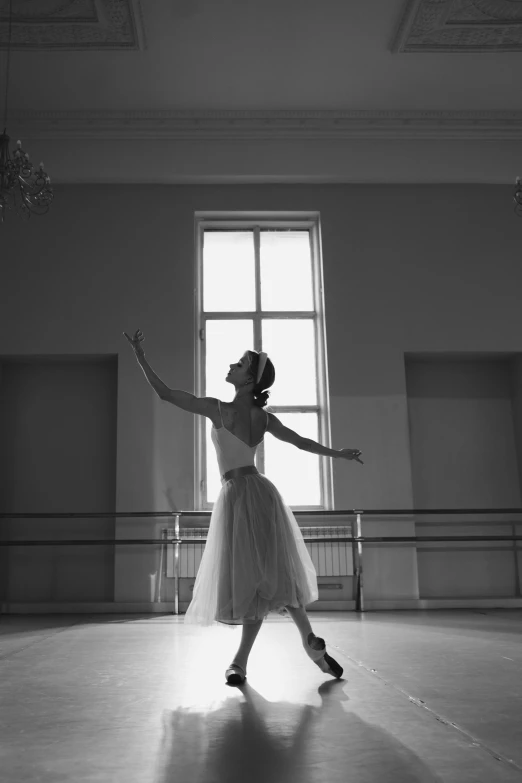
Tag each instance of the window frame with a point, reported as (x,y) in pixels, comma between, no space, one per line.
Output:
(310,221)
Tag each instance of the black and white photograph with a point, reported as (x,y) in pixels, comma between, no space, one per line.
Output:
(261,391)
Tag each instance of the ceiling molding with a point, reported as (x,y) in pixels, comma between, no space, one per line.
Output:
(447,26)
(73,25)
(299,125)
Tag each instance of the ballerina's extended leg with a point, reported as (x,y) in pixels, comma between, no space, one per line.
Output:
(315,647)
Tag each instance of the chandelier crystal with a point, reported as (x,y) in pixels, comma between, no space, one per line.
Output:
(23,188)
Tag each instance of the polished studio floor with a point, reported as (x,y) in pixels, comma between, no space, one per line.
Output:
(426,696)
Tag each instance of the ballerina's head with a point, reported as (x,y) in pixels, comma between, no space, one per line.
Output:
(244,373)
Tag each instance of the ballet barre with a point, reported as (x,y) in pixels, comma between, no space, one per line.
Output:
(178,536)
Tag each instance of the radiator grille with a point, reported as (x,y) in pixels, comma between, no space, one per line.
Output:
(330,558)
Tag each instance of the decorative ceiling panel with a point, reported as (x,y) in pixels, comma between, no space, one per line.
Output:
(460,26)
(72,24)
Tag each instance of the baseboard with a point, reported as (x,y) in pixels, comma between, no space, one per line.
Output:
(379,604)
(167,607)
(124,607)
(441,603)
(470,603)
(331,606)
(88,607)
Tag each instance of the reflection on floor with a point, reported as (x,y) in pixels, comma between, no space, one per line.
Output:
(426,696)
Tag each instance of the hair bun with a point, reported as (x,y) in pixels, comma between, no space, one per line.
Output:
(261,398)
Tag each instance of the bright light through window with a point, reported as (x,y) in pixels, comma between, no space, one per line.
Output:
(228,271)
(258,293)
(286,270)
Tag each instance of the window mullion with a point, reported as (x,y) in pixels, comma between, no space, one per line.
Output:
(260,456)
(257,278)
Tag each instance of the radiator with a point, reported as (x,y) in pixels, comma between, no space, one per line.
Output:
(330,558)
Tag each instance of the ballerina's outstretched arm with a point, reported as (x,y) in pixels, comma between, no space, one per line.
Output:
(204,406)
(276,428)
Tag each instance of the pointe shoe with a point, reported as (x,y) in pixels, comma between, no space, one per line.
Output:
(235,674)
(319,656)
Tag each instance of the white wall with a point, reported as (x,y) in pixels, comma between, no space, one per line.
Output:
(406,269)
(58,455)
(516,397)
(464,451)
(445,155)
(464,455)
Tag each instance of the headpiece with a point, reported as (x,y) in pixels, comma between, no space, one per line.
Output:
(261,366)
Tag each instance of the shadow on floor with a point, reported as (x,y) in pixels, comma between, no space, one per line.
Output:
(252,740)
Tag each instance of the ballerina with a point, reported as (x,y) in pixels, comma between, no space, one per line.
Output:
(255,560)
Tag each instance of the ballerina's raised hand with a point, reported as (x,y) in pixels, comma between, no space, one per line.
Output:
(136,342)
(351,454)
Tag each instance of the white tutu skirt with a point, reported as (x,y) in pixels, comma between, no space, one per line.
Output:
(255,560)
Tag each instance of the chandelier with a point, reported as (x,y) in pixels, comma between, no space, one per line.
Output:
(23,188)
